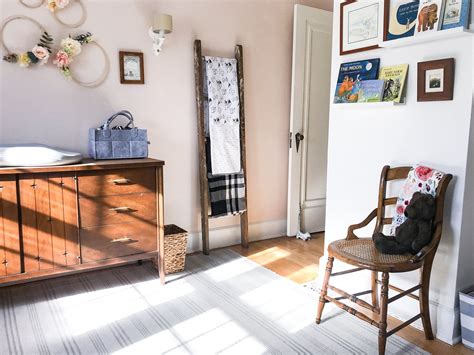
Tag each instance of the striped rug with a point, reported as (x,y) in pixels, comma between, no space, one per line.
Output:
(224,303)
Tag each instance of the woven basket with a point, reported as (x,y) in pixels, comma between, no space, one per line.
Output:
(176,240)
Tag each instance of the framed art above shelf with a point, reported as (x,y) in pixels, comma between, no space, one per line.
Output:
(429,37)
(368,105)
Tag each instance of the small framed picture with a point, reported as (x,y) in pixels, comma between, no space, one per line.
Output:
(436,80)
(132,70)
(361,26)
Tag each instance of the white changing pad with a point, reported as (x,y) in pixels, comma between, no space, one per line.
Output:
(36,155)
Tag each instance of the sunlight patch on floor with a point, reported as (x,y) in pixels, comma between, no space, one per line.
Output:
(213,331)
(230,270)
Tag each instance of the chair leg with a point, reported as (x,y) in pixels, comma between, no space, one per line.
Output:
(383,313)
(424,300)
(375,296)
(324,289)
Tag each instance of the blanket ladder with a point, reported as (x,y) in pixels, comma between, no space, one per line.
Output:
(204,188)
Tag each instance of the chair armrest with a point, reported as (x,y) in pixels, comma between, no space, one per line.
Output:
(365,222)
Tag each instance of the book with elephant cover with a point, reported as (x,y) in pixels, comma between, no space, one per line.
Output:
(430,16)
(371,91)
(395,78)
(402,20)
(350,77)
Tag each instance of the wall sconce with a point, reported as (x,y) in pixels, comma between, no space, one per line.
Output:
(162,25)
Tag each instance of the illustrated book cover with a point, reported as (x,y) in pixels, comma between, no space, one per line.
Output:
(395,77)
(402,20)
(350,77)
(456,14)
(430,16)
(371,91)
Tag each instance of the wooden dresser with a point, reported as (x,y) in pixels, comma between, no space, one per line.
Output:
(72,218)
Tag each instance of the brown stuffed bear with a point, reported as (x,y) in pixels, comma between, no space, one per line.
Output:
(415,232)
(427,17)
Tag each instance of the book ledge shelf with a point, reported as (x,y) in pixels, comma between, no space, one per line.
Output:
(429,37)
(357,105)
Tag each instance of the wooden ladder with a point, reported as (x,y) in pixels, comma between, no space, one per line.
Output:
(198,73)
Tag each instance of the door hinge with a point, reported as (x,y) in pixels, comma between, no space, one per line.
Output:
(291,136)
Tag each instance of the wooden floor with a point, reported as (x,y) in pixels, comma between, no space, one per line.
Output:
(298,261)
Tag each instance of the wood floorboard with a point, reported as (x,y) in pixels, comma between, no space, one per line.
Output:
(298,261)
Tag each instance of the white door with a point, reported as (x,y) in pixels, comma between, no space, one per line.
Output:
(310,100)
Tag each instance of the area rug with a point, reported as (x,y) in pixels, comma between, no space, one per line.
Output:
(223,303)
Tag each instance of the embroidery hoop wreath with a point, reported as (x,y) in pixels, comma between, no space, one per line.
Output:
(86,40)
(45,42)
(55,12)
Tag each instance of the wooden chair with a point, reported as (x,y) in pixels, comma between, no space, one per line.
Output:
(361,253)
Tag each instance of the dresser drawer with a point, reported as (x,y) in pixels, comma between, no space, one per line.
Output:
(115,240)
(98,211)
(117,182)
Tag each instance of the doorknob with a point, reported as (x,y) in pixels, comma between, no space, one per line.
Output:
(298,138)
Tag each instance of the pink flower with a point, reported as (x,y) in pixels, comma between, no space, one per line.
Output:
(62,59)
(423,173)
(400,210)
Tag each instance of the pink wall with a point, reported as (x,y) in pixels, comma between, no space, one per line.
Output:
(39,105)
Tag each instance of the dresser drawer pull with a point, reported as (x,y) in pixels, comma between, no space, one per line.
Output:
(121,209)
(121,240)
(122,181)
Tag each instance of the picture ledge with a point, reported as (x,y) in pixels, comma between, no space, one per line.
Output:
(429,37)
(359,105)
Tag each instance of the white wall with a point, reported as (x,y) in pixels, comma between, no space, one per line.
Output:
(39,105)
(362,141)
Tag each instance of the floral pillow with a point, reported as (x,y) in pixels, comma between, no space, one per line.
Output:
(420,179)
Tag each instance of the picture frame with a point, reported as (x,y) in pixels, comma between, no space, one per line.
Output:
(132,70)
(436,80)
(361,26)
(396,12)
(456,14)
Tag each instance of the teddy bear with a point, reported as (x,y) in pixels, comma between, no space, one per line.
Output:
(413,234)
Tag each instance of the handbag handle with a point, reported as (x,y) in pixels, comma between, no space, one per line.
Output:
(123,113)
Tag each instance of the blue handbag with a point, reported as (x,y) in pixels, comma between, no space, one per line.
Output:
(118,142)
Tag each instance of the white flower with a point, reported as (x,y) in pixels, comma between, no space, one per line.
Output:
(41,53)
(71,46)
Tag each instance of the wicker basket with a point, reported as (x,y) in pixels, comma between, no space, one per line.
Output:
(176,240)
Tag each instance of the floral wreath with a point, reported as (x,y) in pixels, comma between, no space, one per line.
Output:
(55,5)
(72,47)
(39,54)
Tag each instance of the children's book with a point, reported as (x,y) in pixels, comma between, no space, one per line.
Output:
(456,14)
(371,91)
(430,16)
(402,20)
(395,77)
(350,77)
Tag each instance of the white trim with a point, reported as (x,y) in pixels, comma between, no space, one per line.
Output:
(227,236)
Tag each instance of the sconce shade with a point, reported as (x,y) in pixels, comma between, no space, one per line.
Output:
(163,22)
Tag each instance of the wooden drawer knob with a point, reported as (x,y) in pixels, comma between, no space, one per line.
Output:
(121,240)
(121,209)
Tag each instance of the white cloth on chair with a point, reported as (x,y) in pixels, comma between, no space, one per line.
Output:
(221,87)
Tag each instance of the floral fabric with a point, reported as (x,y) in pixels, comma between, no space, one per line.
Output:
(420,179)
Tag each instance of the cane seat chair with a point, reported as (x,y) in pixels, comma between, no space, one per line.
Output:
(361,253)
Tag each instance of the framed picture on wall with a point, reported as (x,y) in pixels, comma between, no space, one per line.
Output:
(361,26)
(436,80)
(132,70)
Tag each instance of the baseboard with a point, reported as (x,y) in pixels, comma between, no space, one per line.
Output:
(227,236)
